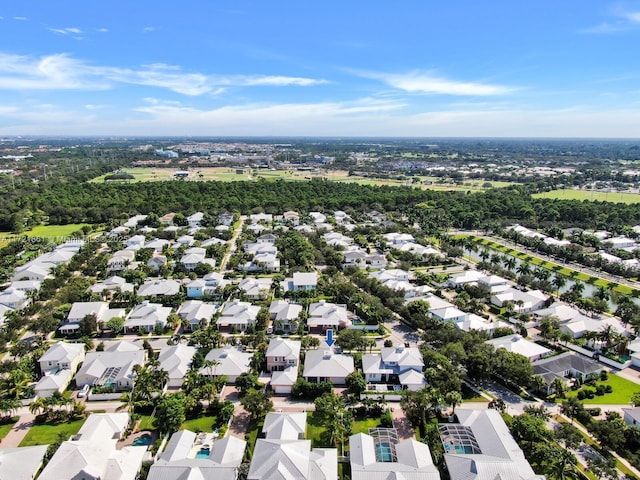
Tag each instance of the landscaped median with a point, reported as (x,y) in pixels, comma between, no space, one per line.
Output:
(556,267)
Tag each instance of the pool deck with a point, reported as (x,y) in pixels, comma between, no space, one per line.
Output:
(134,436)
(203,438)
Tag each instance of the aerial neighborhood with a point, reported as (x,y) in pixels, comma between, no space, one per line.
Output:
(194,328)
(320,343)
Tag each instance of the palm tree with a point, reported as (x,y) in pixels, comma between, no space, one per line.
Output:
(542,274)
(484,254)
(38,405)
(603,294)
(607,335)
(453,398)
(559,281)
(510,262)
(524,268)
(539,384)
(564,466)
(558,386)
(577,289)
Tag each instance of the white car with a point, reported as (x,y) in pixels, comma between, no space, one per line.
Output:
(83,391)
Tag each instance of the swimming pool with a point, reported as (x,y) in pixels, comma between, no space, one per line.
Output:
(203,453)
(451,448)
(383,452)
(143,440)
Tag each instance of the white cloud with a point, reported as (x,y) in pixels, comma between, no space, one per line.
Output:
(22,19)
(148,29)
(62,72)
(103,30)
(604,28)
(633,17)
(425,82)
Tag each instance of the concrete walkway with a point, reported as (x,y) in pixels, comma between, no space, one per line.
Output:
(18,432)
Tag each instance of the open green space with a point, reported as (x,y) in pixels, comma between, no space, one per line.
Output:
(6,427)
(50,231)
(363,425)
(200,424)
(571,194)
(146,423)
(47,434)
(623,389)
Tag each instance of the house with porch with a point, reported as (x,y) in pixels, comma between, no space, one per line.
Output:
(237,315)
(146,316)
(230,362)
(325,365)
(324,315)
(282,353)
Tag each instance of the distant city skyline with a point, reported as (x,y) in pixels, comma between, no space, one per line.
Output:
(354,68)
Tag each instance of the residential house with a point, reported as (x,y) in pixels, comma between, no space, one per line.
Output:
(517,344)
(324,315)
(283,312)
(133,221)
(286,426)
(238,315)
(22,463)
(480,446)
(195,220)
(157,244)
(631,417)
(291,217)
(80,310)
(255,288)
(564,366)
(380,455)
(156,262)
(93,454)
(158,287)
(283,455)
(111,285)
(397,240)
(225,218)
(282,353)
(230,362)
(52,382)
(391,363)
(269,238)
(324,364)
(578,327)
(392,274)
(282,382)
(192,257)
(15,299)
(62,356)
(121,260)
(32,271)
(186,240)
(336,239)
(304,281)
(113,366)
(521,302)
(261,218)
(195,313)
(147,316)
(176,361)
(182,459)
(466,277)
(136,242)
(355,257)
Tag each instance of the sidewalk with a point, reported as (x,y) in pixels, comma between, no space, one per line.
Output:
(18,432)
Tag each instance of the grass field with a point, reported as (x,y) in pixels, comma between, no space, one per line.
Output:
(572,194)
(623,389)
(47,434)
(201,424)
(224,174)
(43,231)
(146,423)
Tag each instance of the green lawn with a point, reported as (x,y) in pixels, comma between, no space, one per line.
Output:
(316,431)
(48,231)
(146,423)
(571,194)
(621,395)
(363,426)
(46,434)
(4,429)
(201,424)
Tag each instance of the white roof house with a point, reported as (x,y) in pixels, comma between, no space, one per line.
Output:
(92,453)
(408,459)
(279,456)
(631,416)
(285,426)
(402,358)
(178,461)
(325,315)
(112,284)
(21,463)
(121,260)
(282,382)
(323,364)
(517,344)
(468,276)
(79,310)
(397,274)
(282,353)
(53,381)
(305,281)
(255,287)
(155,287)
(562,311)
(194,311)
(579,326)
(238,315)
(14,299)
(283,311)
(113,366)
(528,301)
(481,447)
(61,356)
(228,361)
(147,316)
(176,360)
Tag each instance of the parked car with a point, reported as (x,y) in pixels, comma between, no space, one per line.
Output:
(83,391)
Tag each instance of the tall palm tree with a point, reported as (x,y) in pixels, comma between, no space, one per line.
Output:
(524,268)
(510,262)
(453,398)
(559,281)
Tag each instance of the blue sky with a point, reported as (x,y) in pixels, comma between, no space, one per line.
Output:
(332,68)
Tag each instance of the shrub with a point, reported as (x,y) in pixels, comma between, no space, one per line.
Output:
(386,421)
(604,375)
(594,412)
(608,389)
(581,395)
(600,390)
